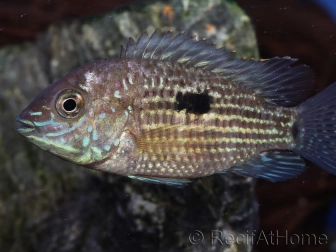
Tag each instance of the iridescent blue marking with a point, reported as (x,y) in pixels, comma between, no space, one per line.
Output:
(80,122)
(107,147)
(97,152)
(167,181)
(90,128)
(25,130)
(116,94)
(51,121)
(116,142)
(95,135)
(37,113)
(25,121)
(86,141)
(124,84)
(113,110)
(46,143)
(102,116)
(265,158)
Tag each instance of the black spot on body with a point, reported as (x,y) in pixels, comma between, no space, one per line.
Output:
(193,102)
(295,130)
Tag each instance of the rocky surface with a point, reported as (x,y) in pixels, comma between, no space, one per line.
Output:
(47,204)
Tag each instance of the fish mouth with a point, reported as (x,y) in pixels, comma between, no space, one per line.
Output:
(25,126)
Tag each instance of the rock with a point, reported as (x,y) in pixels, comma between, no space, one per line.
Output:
(48,204)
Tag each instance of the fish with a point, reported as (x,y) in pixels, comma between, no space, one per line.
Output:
(172,108)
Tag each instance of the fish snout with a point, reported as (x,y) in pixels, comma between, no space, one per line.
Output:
(25,126)
(28,120)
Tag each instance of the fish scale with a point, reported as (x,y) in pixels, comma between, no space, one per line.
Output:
(174,108)
(237,127)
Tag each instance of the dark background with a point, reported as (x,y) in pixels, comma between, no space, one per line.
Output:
(300,29)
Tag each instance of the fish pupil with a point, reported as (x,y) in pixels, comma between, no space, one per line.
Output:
(69,105)
(193,102)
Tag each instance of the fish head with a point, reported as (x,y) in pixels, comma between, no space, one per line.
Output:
(76,118)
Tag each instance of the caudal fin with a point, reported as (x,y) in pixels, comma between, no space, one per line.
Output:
(315,129)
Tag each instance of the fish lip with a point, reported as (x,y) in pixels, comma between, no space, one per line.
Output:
(25,125)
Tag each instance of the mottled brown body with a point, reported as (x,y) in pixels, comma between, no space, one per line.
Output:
(173,143)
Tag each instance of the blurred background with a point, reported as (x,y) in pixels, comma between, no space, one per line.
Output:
(301,29)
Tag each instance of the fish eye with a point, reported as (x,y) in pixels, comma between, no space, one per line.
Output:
(69,103)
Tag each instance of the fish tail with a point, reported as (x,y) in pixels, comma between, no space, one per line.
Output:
(315,129)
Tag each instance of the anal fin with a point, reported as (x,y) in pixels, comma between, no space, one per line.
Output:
(272,165)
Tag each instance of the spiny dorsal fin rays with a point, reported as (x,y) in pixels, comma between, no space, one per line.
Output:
(153,43)
(166,39)
(261,69)
(141,45)
(216,57)
(203,51)
(174,46)
(129,47)
(186,51)
(181,48)
(273,79)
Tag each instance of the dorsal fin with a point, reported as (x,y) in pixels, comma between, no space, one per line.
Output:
(181,48)
(273,79)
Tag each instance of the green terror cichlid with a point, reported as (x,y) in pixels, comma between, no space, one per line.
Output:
(173,108)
